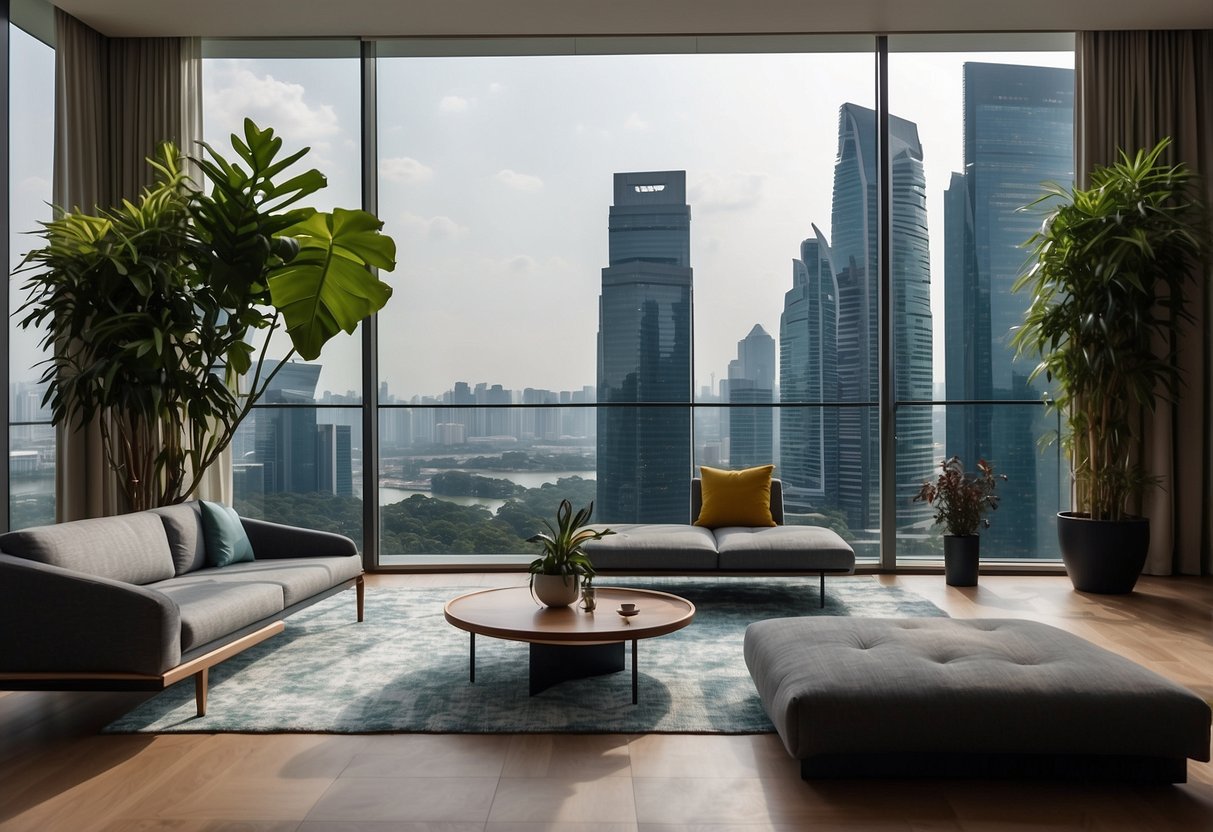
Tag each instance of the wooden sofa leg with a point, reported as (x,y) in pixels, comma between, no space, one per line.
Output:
(200,680)
(823,590)
(360,591)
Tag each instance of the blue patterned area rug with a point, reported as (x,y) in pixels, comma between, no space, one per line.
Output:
(406,669)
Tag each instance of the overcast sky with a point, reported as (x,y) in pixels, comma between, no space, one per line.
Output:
(496,181)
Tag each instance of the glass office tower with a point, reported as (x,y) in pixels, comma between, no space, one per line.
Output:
(1019,133)
(644,353)
(752,381)
(853,253)
(808,374)
(292,452)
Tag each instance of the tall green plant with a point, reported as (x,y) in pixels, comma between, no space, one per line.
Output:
(115,294)
(1112,264)
(150,308)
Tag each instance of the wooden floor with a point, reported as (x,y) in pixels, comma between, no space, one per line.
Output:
(57,773)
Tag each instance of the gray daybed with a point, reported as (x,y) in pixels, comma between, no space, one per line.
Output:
(129,603)
(914,697)
(677,548)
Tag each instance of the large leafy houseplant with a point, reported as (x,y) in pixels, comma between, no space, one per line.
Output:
(150,307)
(1109,296)
(562,555)
(1108,285)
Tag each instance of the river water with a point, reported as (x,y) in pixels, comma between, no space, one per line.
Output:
(44,484)
(527,479)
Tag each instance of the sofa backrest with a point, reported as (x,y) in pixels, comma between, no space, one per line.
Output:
(776,499)
(183,526)
(130,547)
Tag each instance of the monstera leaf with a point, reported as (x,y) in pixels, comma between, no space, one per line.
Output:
(328,286)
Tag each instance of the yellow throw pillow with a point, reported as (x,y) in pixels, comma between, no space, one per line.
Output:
(736,498)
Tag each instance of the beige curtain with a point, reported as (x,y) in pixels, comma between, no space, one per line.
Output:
(1134,88)
(216,484)
(115,100)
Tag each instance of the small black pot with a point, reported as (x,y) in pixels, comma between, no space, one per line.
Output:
(961,555)
(1103,556)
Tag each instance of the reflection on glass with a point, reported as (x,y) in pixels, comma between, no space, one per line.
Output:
(1024,526)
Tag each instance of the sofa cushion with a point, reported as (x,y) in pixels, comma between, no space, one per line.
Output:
(783,548)
(132,548)
(736,498)
(296,579)
(665,546)
(226,540)
(183,526)
(776,499)
(212,609)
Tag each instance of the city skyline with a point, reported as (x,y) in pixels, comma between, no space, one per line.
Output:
(755,198)
(743,225)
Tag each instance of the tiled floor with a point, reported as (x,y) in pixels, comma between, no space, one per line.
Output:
(56,773)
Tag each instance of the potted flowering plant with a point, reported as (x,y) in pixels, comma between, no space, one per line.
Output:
(961,502)
(557,573)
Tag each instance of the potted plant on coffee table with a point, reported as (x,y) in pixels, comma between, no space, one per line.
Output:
(1109,294)
(557,573)
(961,502)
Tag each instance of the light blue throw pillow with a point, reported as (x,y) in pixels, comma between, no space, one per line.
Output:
(226,542)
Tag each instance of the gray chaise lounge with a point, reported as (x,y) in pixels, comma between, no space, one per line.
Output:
(128,603)
(677,548)
(963,698)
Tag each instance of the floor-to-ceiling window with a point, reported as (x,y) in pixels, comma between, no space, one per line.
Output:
(297,457)
(31,438)
(598,254)
(969,151)
(621,259)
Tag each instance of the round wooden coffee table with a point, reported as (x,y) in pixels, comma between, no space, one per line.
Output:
(568,642)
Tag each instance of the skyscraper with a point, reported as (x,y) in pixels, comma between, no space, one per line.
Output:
(808,374)
(644,353)
(854,255)
(292,453)
(1018,124)
(286,437)
(752,381)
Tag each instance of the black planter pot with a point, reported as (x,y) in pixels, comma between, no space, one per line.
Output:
(1103,556)
(961,555)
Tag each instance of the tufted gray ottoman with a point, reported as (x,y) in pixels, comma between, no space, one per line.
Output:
(949,697)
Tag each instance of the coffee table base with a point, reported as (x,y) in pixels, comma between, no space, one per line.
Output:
(552,664)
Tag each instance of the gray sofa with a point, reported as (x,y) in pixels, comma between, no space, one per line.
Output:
(677,548)
(129,603)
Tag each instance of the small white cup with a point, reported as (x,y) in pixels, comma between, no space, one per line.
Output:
(628,607)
